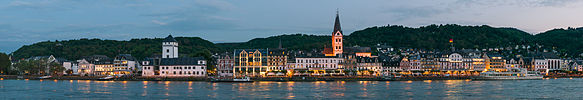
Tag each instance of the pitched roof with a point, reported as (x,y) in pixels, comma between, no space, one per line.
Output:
(125,57)
(337,25)
(98,59)
(169,39)
(181,61)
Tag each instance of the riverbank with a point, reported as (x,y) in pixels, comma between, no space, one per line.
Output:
(306,78)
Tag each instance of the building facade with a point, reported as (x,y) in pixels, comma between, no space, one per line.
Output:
(169,47)
(225,65)
(171,65)
(250,62)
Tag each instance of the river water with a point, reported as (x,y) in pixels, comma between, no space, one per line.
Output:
(442,89)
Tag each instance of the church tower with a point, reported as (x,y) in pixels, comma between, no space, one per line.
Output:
(337,37)
(169,47)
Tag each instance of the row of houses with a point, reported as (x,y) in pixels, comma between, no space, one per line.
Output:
(168,64)
(474,60)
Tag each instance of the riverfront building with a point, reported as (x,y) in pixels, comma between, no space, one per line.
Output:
(225,65)
(170,64)
(250,62)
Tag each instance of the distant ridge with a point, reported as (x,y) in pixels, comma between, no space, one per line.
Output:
(569,41)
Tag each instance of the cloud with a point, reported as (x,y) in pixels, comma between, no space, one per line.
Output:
(403,13)
(518,3)
(158,22)
(194,16)
(200,23)
(20,3)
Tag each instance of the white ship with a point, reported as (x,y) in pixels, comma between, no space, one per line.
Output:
(511,74)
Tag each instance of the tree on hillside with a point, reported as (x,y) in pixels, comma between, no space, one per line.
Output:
(56,68)
(5,64)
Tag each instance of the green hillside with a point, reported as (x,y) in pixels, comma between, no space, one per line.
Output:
(566,40)
(437,36)
(139,48)
(426,37)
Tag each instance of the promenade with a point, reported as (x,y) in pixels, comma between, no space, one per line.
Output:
(271,78)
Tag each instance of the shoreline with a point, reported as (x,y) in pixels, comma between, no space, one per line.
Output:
(257,79)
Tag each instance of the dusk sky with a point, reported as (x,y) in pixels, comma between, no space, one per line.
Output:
(24,22)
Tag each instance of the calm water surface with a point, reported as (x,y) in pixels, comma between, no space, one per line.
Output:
(446,89)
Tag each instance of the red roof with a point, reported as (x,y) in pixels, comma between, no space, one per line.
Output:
(327,51)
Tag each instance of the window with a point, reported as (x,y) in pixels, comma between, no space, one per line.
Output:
(168,50)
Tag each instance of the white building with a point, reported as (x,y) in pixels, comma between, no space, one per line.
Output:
(554,64)
(455,62)
(540,64)
(169,47)
(124,64)
(183,67)
(225,65)
(84,68)
(172,65)
(70,66)
(318,63)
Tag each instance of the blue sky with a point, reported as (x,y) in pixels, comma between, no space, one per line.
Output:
(24,22)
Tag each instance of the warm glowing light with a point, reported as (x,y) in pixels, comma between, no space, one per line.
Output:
(26,79)
(1,78)
(55,80)
(70,81)
(427,81)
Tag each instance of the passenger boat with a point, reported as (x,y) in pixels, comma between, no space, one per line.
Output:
(512,74)
(245,79)
(106,78)
(44,77)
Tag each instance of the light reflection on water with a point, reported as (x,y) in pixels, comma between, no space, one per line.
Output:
(428,89)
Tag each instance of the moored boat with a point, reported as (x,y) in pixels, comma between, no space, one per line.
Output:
(245,79)
(106,78)
(44,77)
(512,74)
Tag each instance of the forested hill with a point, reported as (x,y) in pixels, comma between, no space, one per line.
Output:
(293,42)
(427,37)
(566,40)
(438,36)
(139,48)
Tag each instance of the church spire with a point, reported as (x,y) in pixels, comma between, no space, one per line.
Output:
(337,24)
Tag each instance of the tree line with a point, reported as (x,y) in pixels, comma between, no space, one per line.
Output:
(567,41)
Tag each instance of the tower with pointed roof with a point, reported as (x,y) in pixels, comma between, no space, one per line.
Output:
(337,37)
(169,47)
